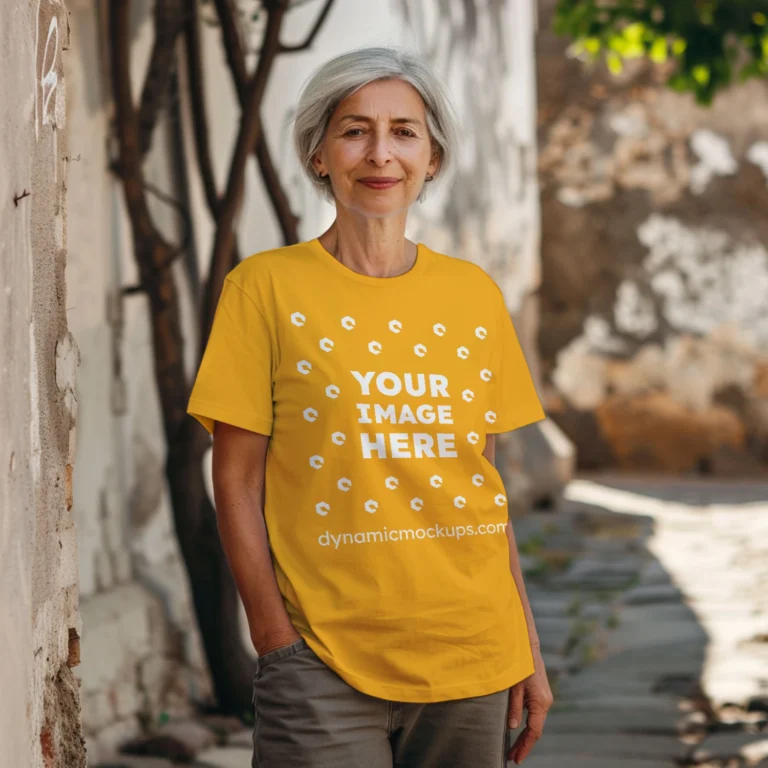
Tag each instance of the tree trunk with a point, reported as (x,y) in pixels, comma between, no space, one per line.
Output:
(213,588)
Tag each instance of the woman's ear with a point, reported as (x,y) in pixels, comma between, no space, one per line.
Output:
(434,163)
(319,166)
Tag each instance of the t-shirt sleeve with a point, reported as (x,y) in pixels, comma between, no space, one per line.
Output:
(234,381)
(514,397)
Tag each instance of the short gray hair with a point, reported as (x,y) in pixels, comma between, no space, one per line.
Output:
(340,77)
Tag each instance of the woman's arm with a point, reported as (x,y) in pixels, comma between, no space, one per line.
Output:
(534,692)
(514,559)
(239,462)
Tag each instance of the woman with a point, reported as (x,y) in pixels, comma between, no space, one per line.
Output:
(354,384)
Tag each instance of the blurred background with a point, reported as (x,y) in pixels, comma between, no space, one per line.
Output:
(613,180)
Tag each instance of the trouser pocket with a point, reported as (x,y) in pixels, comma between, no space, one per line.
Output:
(280,653)
(306,716)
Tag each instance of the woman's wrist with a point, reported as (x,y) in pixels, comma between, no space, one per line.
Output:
(275,638)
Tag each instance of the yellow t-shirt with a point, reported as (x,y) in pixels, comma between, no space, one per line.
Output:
(386,522)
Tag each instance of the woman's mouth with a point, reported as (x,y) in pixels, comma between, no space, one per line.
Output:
(379,182)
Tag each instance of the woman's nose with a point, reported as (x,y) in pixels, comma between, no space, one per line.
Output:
(380,149)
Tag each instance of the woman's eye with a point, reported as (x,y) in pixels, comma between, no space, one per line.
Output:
(354,132)
(406,132)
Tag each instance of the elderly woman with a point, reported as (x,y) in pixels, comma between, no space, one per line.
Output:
(354,385)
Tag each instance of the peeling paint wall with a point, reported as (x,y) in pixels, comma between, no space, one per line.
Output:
(654,322)
(39,622)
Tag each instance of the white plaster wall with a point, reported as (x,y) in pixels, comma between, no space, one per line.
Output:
(39,717)
(120,426)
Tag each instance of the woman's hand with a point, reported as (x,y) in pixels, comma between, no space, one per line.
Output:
(535,695)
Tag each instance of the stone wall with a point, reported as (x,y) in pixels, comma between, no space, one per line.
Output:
(39,622)
(654,322)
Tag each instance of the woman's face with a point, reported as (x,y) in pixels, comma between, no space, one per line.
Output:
(377,149)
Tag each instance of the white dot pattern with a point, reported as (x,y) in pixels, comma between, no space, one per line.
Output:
(333,391)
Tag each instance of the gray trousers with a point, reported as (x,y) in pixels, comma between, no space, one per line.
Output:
(308,717)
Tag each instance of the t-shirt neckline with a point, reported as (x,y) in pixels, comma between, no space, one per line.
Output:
(396,281)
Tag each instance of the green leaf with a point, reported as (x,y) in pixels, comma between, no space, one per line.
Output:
(659,52)
(701,74)
(634,32)
(614,62)
(592,45)
(678,46)
(759,18)
(617,43)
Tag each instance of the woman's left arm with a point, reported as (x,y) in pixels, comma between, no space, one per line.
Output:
(533,693)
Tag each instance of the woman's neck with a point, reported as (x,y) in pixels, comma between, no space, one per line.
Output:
(373,247)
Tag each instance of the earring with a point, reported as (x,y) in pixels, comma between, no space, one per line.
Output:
(321,175)
(429,178)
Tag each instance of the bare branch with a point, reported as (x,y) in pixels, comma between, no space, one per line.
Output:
(153,254)
(312,33)
(169,19)
(193,57)
(169,200)
(172,202)
(128,166)
(288,221)
(249,133)
(233,45)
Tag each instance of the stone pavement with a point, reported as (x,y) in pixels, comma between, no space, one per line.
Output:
(651,600)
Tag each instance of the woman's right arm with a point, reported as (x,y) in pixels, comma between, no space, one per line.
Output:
(239,462)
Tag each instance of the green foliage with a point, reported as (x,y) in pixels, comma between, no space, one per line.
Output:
(712,42)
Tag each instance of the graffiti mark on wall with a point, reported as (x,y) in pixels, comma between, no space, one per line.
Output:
(46,74)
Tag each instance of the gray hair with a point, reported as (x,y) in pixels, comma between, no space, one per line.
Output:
(340,77)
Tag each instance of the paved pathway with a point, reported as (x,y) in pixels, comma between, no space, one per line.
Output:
(651,600)
(652,603)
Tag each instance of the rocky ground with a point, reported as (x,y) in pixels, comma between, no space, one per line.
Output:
(651,600)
